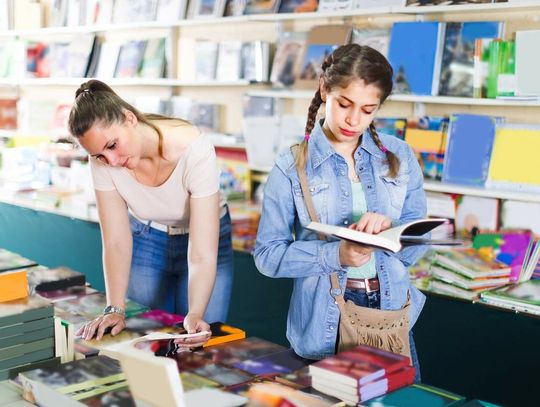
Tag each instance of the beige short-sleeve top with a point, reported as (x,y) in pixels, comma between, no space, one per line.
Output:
(195,175)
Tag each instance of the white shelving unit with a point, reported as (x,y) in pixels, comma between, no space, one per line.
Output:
(119,82)
(482,192)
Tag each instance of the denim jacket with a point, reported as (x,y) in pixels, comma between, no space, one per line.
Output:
(284,248)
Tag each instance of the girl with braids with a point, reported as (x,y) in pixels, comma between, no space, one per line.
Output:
(358,179)
(166,235)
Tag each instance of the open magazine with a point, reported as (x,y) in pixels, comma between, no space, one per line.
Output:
(393,239)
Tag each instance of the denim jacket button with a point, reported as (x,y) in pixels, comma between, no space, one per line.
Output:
(345,222)
(346,193)
(311,189)
(342,172)
(369,187)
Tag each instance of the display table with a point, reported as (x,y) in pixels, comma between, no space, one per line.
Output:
(471,349)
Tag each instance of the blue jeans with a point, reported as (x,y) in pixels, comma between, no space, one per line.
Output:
(373,300)
(159,270)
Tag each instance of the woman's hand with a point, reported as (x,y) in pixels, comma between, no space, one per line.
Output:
(372,223)
(114,321)
(354,254)
(194,323)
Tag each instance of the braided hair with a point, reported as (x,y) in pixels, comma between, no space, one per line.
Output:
(339,69)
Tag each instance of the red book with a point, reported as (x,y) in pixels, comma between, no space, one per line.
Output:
(358,366)
(393,381)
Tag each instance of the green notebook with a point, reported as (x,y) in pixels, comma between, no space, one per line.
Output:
(416,395)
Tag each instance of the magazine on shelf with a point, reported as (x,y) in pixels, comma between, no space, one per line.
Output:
(393,239)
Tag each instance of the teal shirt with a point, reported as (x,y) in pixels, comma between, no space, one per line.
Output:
(359,207)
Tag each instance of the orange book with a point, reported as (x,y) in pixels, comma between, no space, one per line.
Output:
(222,333)
(14,285)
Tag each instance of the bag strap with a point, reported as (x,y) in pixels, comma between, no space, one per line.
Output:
(336,290)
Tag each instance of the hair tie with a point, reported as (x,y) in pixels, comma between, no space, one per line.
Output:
(306,137)
(384,149)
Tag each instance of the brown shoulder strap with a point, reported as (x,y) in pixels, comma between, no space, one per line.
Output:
(302,176)
(304,185)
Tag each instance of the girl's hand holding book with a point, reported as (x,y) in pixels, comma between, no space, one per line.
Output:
(372,223)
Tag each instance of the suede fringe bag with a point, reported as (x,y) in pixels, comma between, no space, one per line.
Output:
(383,329)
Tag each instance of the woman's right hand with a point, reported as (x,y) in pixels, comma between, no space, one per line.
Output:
(116,322)
(353,254)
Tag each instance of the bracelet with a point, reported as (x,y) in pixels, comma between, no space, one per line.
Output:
(112,309)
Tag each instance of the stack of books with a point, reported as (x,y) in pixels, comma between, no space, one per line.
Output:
(77,380)
(523,297)
(27,335)
(361,373)
(464,274)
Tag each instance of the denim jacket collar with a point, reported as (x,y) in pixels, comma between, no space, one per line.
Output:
(320,148)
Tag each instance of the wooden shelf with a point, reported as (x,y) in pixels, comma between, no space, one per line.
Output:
(528,196)
(445,100)
(119,82)
(276,17)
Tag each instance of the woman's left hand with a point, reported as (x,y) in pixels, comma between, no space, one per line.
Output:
(373,223)
(194,323)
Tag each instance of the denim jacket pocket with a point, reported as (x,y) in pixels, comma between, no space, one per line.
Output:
(396,188)
(319,194)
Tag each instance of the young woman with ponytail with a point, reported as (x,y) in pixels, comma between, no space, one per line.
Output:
(357,178)
(166,234)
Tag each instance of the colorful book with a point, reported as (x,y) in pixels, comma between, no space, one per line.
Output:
(60,278)
(14,285)
(478,284)
(391,382)
(418,395)
(24,310)
(415,55)
(523,297)
(12,261)
(470,264)
(468,151)
(358,366)
(457,65)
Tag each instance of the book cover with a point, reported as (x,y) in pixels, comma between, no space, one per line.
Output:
(94,304)
(321,41)
(129,59)
(297,6)
(469,263)
(430,396)
(474,213)
(205,60)
(261,6)
(226,376)
(8,114)
(393,126)
(60,278)
(23,310)
(391,382)
(79,53)
(289,49)
(393,239)
(164,317)
(255,61)
(415,53)
(527,292)
(191,381)
(67,293)
(457,67)
(514,140)
(12,261)
(238,351)
(170,11)
(74,376)
(282,362)
(376,38)
(358,366)
(527,63)
(468,150)
(12,352)
(153,60)
(477,284)
(228,61)
(27,336)
(14,285)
